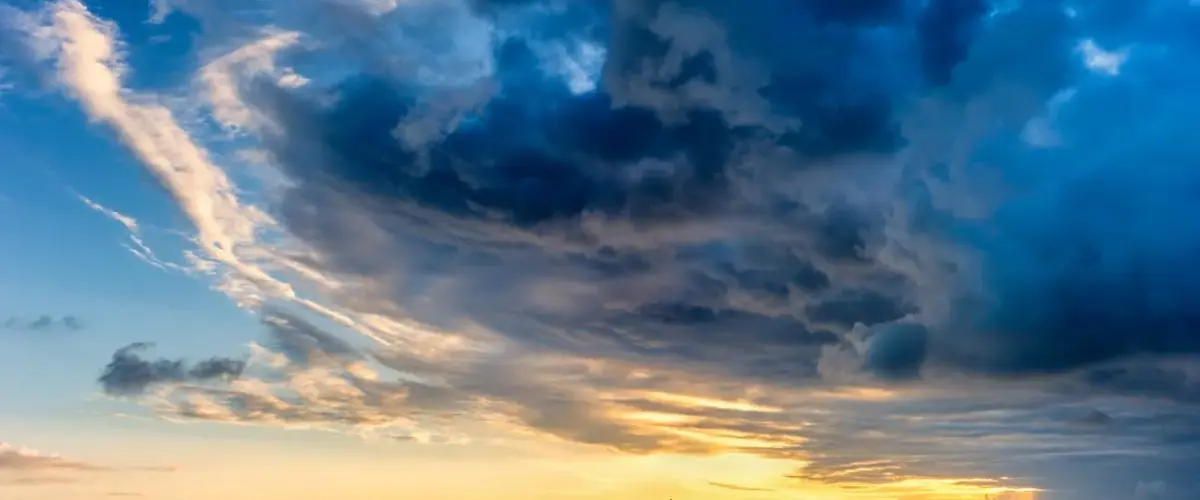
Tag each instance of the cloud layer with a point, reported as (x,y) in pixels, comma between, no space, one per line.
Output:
(892,241)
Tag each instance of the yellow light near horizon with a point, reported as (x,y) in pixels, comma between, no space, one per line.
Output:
(690,401)
(858,393)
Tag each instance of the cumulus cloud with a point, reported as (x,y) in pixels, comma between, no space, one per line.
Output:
(129,374)
(961,227)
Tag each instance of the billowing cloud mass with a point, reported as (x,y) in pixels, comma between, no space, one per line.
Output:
(898,243)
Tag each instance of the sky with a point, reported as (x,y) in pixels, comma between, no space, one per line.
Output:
(622,249)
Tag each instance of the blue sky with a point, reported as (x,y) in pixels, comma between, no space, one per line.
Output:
(832,250)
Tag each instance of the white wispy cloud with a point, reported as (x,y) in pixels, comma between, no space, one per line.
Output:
(5,85)
(129,222)
(374,7)
(28,467)
(236,241)
(20,465)
(18,458)
(137,244)
(221,77)
(87,57)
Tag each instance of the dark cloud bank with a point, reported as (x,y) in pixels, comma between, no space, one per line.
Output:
(925,189)
(772,175)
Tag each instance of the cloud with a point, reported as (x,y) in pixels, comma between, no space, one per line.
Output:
(1150,490)
(835,210)
(735,487)
(898,351)
(129,222)
(139,247)
(612,221)
(936,434)
(1095,418)
(13,458)
(128,374)
(21,466)
(220,76)
(44,323)
(87,59)
(320,381)
(24,466)
(5,85)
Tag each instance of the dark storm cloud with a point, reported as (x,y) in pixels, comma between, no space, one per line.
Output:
(1175,381)
(129,374)
(857,306)
(1095,418)
(625,200)
(1091,263)
(647,179)
(898,351)
(945,30)
(752,186)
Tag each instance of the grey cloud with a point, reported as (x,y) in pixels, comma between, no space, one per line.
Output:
(1150,490)
(1095,418)
(129,374)
(1174,381)
(1034,439)
(303,343)
(897,351)
(216,368)
(343,388)
(858,306)
(44,323)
